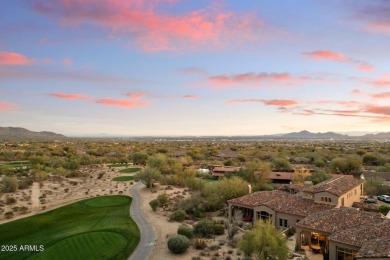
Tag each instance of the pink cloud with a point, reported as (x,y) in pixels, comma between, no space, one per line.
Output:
(5,106)
(381,95)
(382,82)
(327,55)
(330,55)
(366,67)
(135,96)
(379,27)
(190,96)
(252,79)
(13,58)
(273,102)
(383,110)
(122,103)
(357,92)
(67,62)
(154,30)
(69,96)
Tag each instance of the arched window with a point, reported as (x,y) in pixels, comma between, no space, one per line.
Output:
(322,198)
(330,199)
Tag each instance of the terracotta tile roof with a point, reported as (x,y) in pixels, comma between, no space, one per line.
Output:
(382,175)
(337,185)
(281,175)
(357,236)
(291,188)
(366,206)
(375,248)
(281,202)
(255,199)
(333,220)
(226,169)
(296,205)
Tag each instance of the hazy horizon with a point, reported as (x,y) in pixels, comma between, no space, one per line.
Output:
(195,68)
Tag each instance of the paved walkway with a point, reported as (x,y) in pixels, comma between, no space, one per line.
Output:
(35,193)
(148,236)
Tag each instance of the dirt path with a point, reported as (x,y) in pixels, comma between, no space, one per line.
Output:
(35,194)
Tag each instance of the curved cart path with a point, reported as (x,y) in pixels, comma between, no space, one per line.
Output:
(148,236)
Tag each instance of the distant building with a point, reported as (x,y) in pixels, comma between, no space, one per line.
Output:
(220,171)
(227,154)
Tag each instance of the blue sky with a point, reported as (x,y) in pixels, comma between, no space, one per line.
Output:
(170,67)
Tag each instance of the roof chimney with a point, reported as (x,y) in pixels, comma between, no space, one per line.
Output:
(249,189)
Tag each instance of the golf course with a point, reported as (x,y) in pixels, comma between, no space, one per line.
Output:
(96,228)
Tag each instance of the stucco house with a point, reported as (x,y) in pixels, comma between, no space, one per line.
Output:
(343,232)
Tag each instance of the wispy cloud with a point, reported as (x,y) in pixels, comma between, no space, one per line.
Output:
(135,96)
(373,15)
(261,79)
(273,102)
(384,81)
(210,27)
(190,96)
(334,56)
(326,55)
(5,106)
(121,103)
(13,58)
(70,96)
(383,95)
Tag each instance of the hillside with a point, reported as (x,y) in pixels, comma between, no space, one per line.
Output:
(22,133)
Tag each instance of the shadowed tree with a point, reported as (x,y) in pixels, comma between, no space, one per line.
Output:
(149,176)
(265,242)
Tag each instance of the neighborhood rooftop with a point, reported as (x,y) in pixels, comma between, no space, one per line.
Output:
(334,220)
(375,248)
(337,185)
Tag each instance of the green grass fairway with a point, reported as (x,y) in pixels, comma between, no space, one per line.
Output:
(97,228)
(118,165)
(130,170)
(124,178)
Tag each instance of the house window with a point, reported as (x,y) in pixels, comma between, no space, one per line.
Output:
(355,192)
(264,215)
(322,198)
(344,253)
(330,200)
(283,222)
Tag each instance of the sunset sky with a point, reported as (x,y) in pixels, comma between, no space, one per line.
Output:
(171,67)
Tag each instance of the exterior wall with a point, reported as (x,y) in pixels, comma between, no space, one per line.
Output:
(333,250)
(308,195)
(291,220)
(326,196)
(266,209)
(351,196)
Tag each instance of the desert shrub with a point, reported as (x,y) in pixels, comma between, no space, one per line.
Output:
(162,200)
(25,183)
(186,231)
(9,215)
(10,200)
(199,243)
(23,210)
(219,229)
(178,244)
(384,209)
(8,184)
(204,228)
(178,215)
(154,204)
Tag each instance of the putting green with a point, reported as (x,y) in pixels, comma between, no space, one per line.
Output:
(92,245)
(109,201)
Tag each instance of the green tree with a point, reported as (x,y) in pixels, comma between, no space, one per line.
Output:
(139,158)
(264,241)
(149,176)
(318,176)
(217,194)
(280,164)
(351,164)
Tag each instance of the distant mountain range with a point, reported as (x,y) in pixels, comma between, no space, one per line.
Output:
(22,133)
(327,135)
